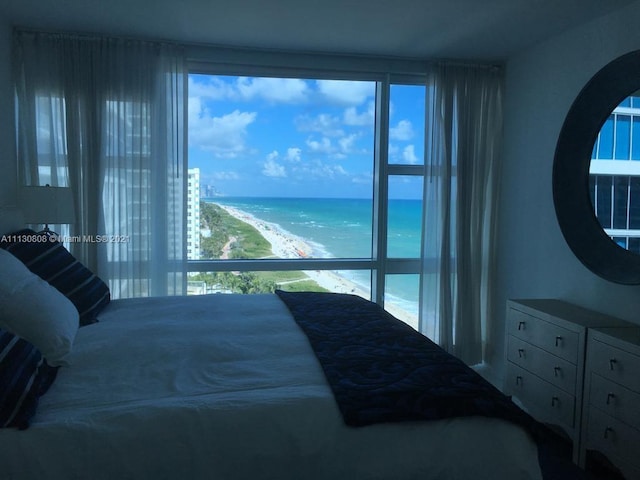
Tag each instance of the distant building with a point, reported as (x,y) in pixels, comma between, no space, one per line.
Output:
(615,175)
(208,191)
(193,214)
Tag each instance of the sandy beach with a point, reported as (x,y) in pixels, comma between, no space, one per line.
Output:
(286,245)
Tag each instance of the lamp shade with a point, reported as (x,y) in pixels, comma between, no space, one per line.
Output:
(47,205)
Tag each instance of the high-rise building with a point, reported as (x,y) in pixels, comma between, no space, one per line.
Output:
(615,174)
(208,191)
(193,214)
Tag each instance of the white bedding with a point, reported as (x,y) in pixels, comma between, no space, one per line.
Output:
(227,387)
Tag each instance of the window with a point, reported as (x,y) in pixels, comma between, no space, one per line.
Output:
(296,193)
(406,129)
(133,119)
(50,120)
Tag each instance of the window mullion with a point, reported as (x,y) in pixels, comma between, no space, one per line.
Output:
(380,193)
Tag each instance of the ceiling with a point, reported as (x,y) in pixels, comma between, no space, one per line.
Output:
(463,29)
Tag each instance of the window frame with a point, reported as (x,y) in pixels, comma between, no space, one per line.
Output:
(384,73)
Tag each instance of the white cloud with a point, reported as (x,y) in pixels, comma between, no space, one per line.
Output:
(294,154)
(276,90)
(402,131)
(214,88)
(322,146)
(343,92)
(347,143)
(271,168)
(323,123)
(337,149)
(409,155)
(195,109)
(328,171)
(320,169)
(353,118)
(224,136)
(393,150)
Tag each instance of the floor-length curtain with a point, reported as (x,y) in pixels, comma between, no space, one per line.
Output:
(106,117)
(463,139)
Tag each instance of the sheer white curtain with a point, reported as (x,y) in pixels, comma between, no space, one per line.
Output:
(106,117)
(464,134)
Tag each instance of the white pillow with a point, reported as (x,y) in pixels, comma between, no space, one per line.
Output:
(34,310)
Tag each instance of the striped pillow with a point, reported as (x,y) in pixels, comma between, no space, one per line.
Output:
(52,262)
(24,377)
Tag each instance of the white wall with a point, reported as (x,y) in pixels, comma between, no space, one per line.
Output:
(7,130)
(534,259)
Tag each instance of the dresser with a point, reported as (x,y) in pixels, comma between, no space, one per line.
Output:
(611,419)
(546,340)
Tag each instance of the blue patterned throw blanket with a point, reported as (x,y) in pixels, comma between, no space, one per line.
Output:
(382,370)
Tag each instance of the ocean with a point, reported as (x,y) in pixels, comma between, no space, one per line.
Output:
(341,228)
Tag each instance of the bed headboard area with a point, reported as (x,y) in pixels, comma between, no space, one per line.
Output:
(11,219)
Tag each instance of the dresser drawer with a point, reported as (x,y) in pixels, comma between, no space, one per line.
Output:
(615,364)
(548,336)
(615,439)
(615,400)
(554,369)
(548,403)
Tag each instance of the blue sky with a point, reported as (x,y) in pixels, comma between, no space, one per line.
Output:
(298,138)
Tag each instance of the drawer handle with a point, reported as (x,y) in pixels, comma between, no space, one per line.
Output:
(521,352)
(520,325)
(518,380)
(555,401)
(610,397)
(607,432)
(558,340)
(556,371)
(612,363)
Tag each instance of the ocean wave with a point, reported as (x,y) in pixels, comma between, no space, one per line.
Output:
(345,233)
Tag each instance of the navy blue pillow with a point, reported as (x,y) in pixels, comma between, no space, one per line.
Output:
(24,377)
(45,256)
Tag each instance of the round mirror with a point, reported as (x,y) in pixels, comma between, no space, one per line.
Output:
(584,191)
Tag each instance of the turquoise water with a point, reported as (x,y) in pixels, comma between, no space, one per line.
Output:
(342,228)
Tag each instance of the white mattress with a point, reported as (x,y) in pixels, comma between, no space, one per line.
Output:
(227,387)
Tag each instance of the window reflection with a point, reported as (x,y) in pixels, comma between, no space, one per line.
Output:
(614,182)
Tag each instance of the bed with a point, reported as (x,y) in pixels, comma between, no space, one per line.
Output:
(232,387)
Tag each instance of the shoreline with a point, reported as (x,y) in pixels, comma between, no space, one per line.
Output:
(288,245)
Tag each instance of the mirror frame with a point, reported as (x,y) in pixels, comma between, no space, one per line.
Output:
(574,209)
